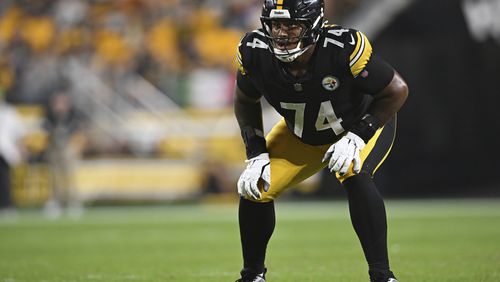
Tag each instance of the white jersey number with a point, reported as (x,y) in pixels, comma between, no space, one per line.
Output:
(327,119)
(338,33)
(257,43)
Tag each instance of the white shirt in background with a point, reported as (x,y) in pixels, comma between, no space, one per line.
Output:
(12,130)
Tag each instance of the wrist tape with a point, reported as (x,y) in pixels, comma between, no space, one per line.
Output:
(366,127)
(255,143)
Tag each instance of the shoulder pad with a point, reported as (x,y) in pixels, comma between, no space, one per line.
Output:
(355,46)
(249,44)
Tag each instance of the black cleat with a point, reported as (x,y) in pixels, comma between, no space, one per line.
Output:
(252,277)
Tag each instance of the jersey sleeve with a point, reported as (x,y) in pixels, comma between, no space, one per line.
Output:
(376,75)
(358,51)
(244,62)
(371,73)
(239,59)
(244,83)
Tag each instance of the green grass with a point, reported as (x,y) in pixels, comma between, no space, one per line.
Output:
(453,240)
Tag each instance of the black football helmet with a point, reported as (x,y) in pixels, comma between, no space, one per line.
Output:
(308,13)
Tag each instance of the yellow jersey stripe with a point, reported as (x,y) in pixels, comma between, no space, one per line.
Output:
(240,63)
(359,61)
(358,44)
(238,56)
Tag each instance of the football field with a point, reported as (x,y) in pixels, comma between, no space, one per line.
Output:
(430,241)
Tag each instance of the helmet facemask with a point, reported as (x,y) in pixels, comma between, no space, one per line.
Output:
(290,37)
(287,38)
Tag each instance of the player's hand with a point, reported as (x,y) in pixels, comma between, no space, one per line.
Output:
(344,152)
(257,167)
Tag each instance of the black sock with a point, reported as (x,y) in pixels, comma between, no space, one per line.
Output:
(368,218)
(256,222)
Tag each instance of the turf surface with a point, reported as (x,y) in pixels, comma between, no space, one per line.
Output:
(452,240)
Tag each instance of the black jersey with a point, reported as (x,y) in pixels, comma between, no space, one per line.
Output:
(319,106)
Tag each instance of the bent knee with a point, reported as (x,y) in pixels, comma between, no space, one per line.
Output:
(264,198)
(350,174)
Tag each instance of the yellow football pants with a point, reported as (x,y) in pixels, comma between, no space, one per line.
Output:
(293,161)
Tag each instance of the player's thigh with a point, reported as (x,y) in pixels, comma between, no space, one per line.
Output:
(376,150)
(292,161)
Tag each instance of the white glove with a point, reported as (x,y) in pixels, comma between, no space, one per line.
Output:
(257,167)
(344,152)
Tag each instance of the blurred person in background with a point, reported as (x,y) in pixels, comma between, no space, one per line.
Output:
(12,151)
(64,127)
(339,103)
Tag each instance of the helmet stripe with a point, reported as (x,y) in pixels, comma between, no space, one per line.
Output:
(279,4)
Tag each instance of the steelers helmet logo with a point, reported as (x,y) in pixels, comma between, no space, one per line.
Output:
(330,83)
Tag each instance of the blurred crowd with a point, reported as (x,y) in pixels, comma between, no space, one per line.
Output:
(162,41)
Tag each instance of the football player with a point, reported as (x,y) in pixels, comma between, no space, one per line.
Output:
(338,101)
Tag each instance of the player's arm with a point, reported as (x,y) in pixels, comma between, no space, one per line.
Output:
(374,76)
(248,112)
(247,106)
(387,102)
(389,92)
